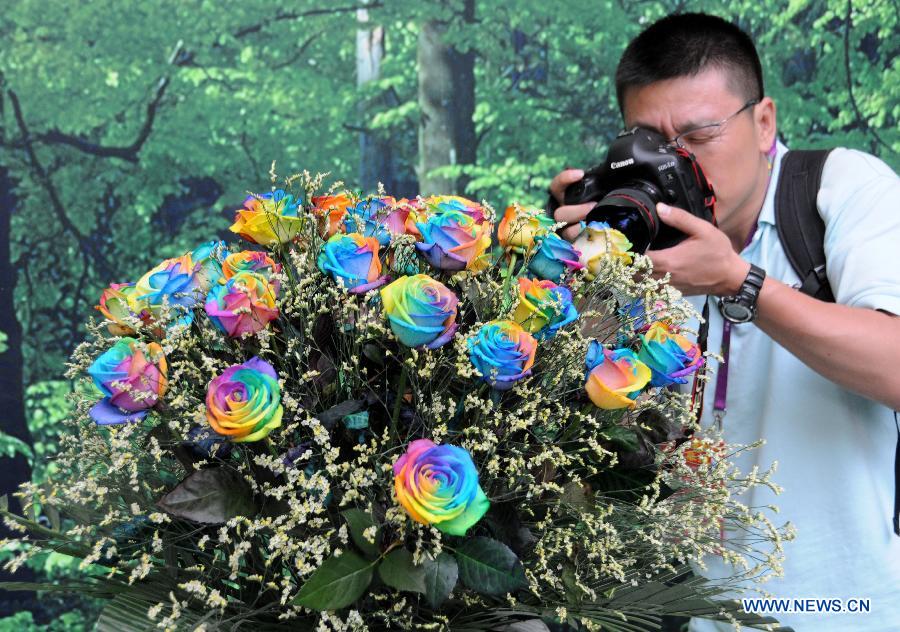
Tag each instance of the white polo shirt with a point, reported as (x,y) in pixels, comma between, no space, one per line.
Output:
(835,449)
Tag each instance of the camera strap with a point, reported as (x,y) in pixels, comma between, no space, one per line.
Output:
(699,386)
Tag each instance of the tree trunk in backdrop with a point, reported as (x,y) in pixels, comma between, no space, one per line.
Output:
(447,102)
(376,160)
(15,470)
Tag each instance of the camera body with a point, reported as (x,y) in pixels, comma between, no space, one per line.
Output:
(640,170)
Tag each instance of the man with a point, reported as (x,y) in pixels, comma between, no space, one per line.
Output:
(817,381)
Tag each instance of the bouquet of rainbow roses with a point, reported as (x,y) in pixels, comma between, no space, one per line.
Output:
(392,414)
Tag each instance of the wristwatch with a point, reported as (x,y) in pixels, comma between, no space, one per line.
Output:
(741,308)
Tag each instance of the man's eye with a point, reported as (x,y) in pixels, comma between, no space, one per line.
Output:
(699,137)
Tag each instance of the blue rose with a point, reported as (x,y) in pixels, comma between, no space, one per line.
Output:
(553,257)
(353,260)
(503,353)
(368,219)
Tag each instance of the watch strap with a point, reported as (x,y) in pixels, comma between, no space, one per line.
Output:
(752,285)
(746,297)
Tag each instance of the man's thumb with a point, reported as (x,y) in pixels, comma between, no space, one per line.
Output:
(678,218)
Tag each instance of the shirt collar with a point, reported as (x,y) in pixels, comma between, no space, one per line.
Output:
(767,213)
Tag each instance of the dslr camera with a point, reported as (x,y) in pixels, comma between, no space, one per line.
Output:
(640,170)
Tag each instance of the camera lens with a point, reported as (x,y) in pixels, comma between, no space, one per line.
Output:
(631,210)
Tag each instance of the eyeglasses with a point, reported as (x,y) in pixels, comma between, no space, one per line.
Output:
(707,133)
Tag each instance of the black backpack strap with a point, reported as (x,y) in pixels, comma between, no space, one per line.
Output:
(802,234)
(800,227)
(897,479)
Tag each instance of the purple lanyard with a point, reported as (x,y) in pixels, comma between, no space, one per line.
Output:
(719,404)
(721,396)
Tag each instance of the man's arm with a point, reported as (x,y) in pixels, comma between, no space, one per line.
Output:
(857,348)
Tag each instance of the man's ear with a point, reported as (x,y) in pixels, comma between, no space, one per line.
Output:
(764,117)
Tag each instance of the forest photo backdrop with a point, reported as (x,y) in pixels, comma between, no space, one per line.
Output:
(131,132)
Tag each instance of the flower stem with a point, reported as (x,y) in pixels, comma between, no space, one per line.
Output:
(271,447)
(507,280)
(395,415)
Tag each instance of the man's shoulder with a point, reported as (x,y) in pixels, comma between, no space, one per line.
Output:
(845,164)
(854,182)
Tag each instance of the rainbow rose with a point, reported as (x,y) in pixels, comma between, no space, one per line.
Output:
(179,283)
(367,217)
(521,228)
(670,356)
(614,378)
(438,485)
(116,306)
(544,307)
(330,211)
(553,258)
(421,311)
(272,218)
(352,260)
(245,304)
(402,218)
(454,241)
(635,312)
(132,378)
(503,353)
(252,261)
(244,402)
(597,242)
(438,204)
(208,256)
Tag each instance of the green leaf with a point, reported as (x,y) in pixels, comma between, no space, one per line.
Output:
(52,514)
(10,446)
(357,522)
(398,571)
(338,582)
(624,437)
(125,614)
(374,353)
(532,625)
(574,592)
(127,611)
(440,578)
(356,421)
(211,496)
(68,587)
(489,567)
(329,417)
(575,495)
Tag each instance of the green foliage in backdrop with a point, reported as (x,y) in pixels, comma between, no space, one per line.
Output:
(131,129)
(248,82)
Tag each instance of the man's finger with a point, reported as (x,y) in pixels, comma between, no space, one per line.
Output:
(680,219)
(659,262)
(571,233)
(562,180)
(573,214)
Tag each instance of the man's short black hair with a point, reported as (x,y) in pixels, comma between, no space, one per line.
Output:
(686,44)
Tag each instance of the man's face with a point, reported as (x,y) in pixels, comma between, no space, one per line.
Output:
(734,159)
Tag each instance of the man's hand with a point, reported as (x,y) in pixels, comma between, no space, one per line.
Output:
(704,263)
(574,214)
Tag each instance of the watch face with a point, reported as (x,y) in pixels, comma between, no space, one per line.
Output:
(736,312)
